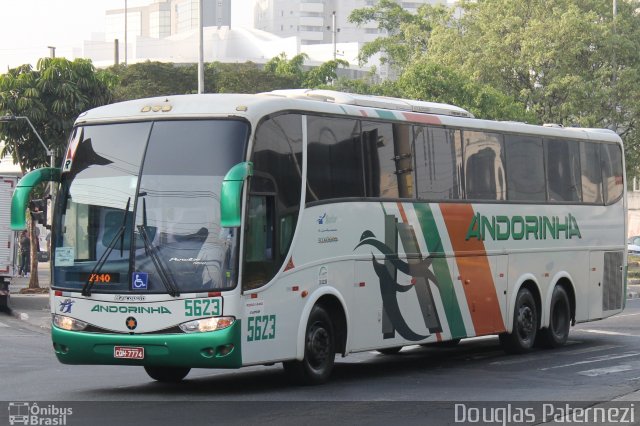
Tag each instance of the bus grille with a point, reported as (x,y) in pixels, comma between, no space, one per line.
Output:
(612,281)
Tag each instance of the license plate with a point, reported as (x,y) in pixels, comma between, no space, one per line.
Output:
(128,352)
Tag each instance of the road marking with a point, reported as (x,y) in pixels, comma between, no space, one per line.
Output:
(599,359)
(3,325)
(608,333)
(606,370)
(536,356)
(593,349)
(625,315)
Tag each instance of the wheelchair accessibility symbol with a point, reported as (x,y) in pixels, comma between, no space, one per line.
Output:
(139,281)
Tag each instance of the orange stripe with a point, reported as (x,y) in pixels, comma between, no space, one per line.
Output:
(422,118)
(474,271)
(403,215)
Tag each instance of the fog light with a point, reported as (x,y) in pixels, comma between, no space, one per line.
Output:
(224,350)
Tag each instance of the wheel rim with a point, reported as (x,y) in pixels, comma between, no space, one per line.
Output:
(526,322)
(318,346)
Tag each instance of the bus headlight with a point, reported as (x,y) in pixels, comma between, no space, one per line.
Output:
(207,324)
(68,323)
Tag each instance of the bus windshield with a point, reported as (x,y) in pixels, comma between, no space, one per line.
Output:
(139,208)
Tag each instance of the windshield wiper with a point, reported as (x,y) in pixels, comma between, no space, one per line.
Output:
(86,289)
(165,277)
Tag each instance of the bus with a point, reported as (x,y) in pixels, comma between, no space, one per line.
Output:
(224,230)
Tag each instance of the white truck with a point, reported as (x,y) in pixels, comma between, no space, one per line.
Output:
(8,241)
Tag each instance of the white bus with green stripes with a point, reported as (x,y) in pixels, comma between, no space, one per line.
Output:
(221,231)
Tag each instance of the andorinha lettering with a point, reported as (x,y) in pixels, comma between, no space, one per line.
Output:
(523,227)
(111,309)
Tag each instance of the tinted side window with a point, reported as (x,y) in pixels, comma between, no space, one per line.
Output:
(388,161)
(274,197)
(563,170)
(591,172)
(435,156)
(611,157)
(335,159)
(484,165)
(525,168)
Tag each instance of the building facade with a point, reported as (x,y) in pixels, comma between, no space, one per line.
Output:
(312,20)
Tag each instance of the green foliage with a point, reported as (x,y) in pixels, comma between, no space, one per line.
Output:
(407,34)
(149,79)
(325,74)
(52,96)
(246,78)
(429,81)
(292,68)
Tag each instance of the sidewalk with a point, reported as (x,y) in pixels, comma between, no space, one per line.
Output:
(31,308)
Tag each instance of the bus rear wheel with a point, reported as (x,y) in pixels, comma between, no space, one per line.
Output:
(319,351)
(167,374)
(525,325)
(557,333)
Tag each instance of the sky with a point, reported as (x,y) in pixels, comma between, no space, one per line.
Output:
(27,27)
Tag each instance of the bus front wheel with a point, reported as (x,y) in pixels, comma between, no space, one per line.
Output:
(167,374)
(557,333)
(525,325)
(319,350)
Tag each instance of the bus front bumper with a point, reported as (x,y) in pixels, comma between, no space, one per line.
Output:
(215,349)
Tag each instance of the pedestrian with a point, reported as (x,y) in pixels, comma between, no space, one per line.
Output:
(25,254)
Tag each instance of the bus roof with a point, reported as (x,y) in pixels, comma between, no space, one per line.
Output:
(253,107)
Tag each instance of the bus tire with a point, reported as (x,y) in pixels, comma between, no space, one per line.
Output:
(557,333)
(390,351)
(525,325)
(319,351)
(167,374)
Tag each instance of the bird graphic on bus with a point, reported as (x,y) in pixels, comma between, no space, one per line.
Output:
(387,271)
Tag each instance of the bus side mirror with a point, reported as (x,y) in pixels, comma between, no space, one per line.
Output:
(231,194)
(20,197)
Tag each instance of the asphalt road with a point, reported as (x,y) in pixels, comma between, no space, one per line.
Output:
(601,362)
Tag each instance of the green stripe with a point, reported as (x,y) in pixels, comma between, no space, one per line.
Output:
(389,115)
(441,270)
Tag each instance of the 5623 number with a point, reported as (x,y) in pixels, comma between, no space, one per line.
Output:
(201,307)
(262,327)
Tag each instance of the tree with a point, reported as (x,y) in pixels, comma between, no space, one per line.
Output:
(324,74)
(407,33)
(51,96)
(293,68)
(247,78)
(149,79)
(566,60)
(430,81)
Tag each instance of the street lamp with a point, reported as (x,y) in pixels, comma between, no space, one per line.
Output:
(10,118)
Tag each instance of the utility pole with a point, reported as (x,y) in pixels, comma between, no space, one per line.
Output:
(333,30)
(125,32)
(116,52)
(52,51)
(200,49)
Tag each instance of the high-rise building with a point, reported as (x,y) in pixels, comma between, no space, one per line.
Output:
(312,20)
(164,18)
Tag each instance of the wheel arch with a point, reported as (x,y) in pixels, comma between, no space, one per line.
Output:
(333,302)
